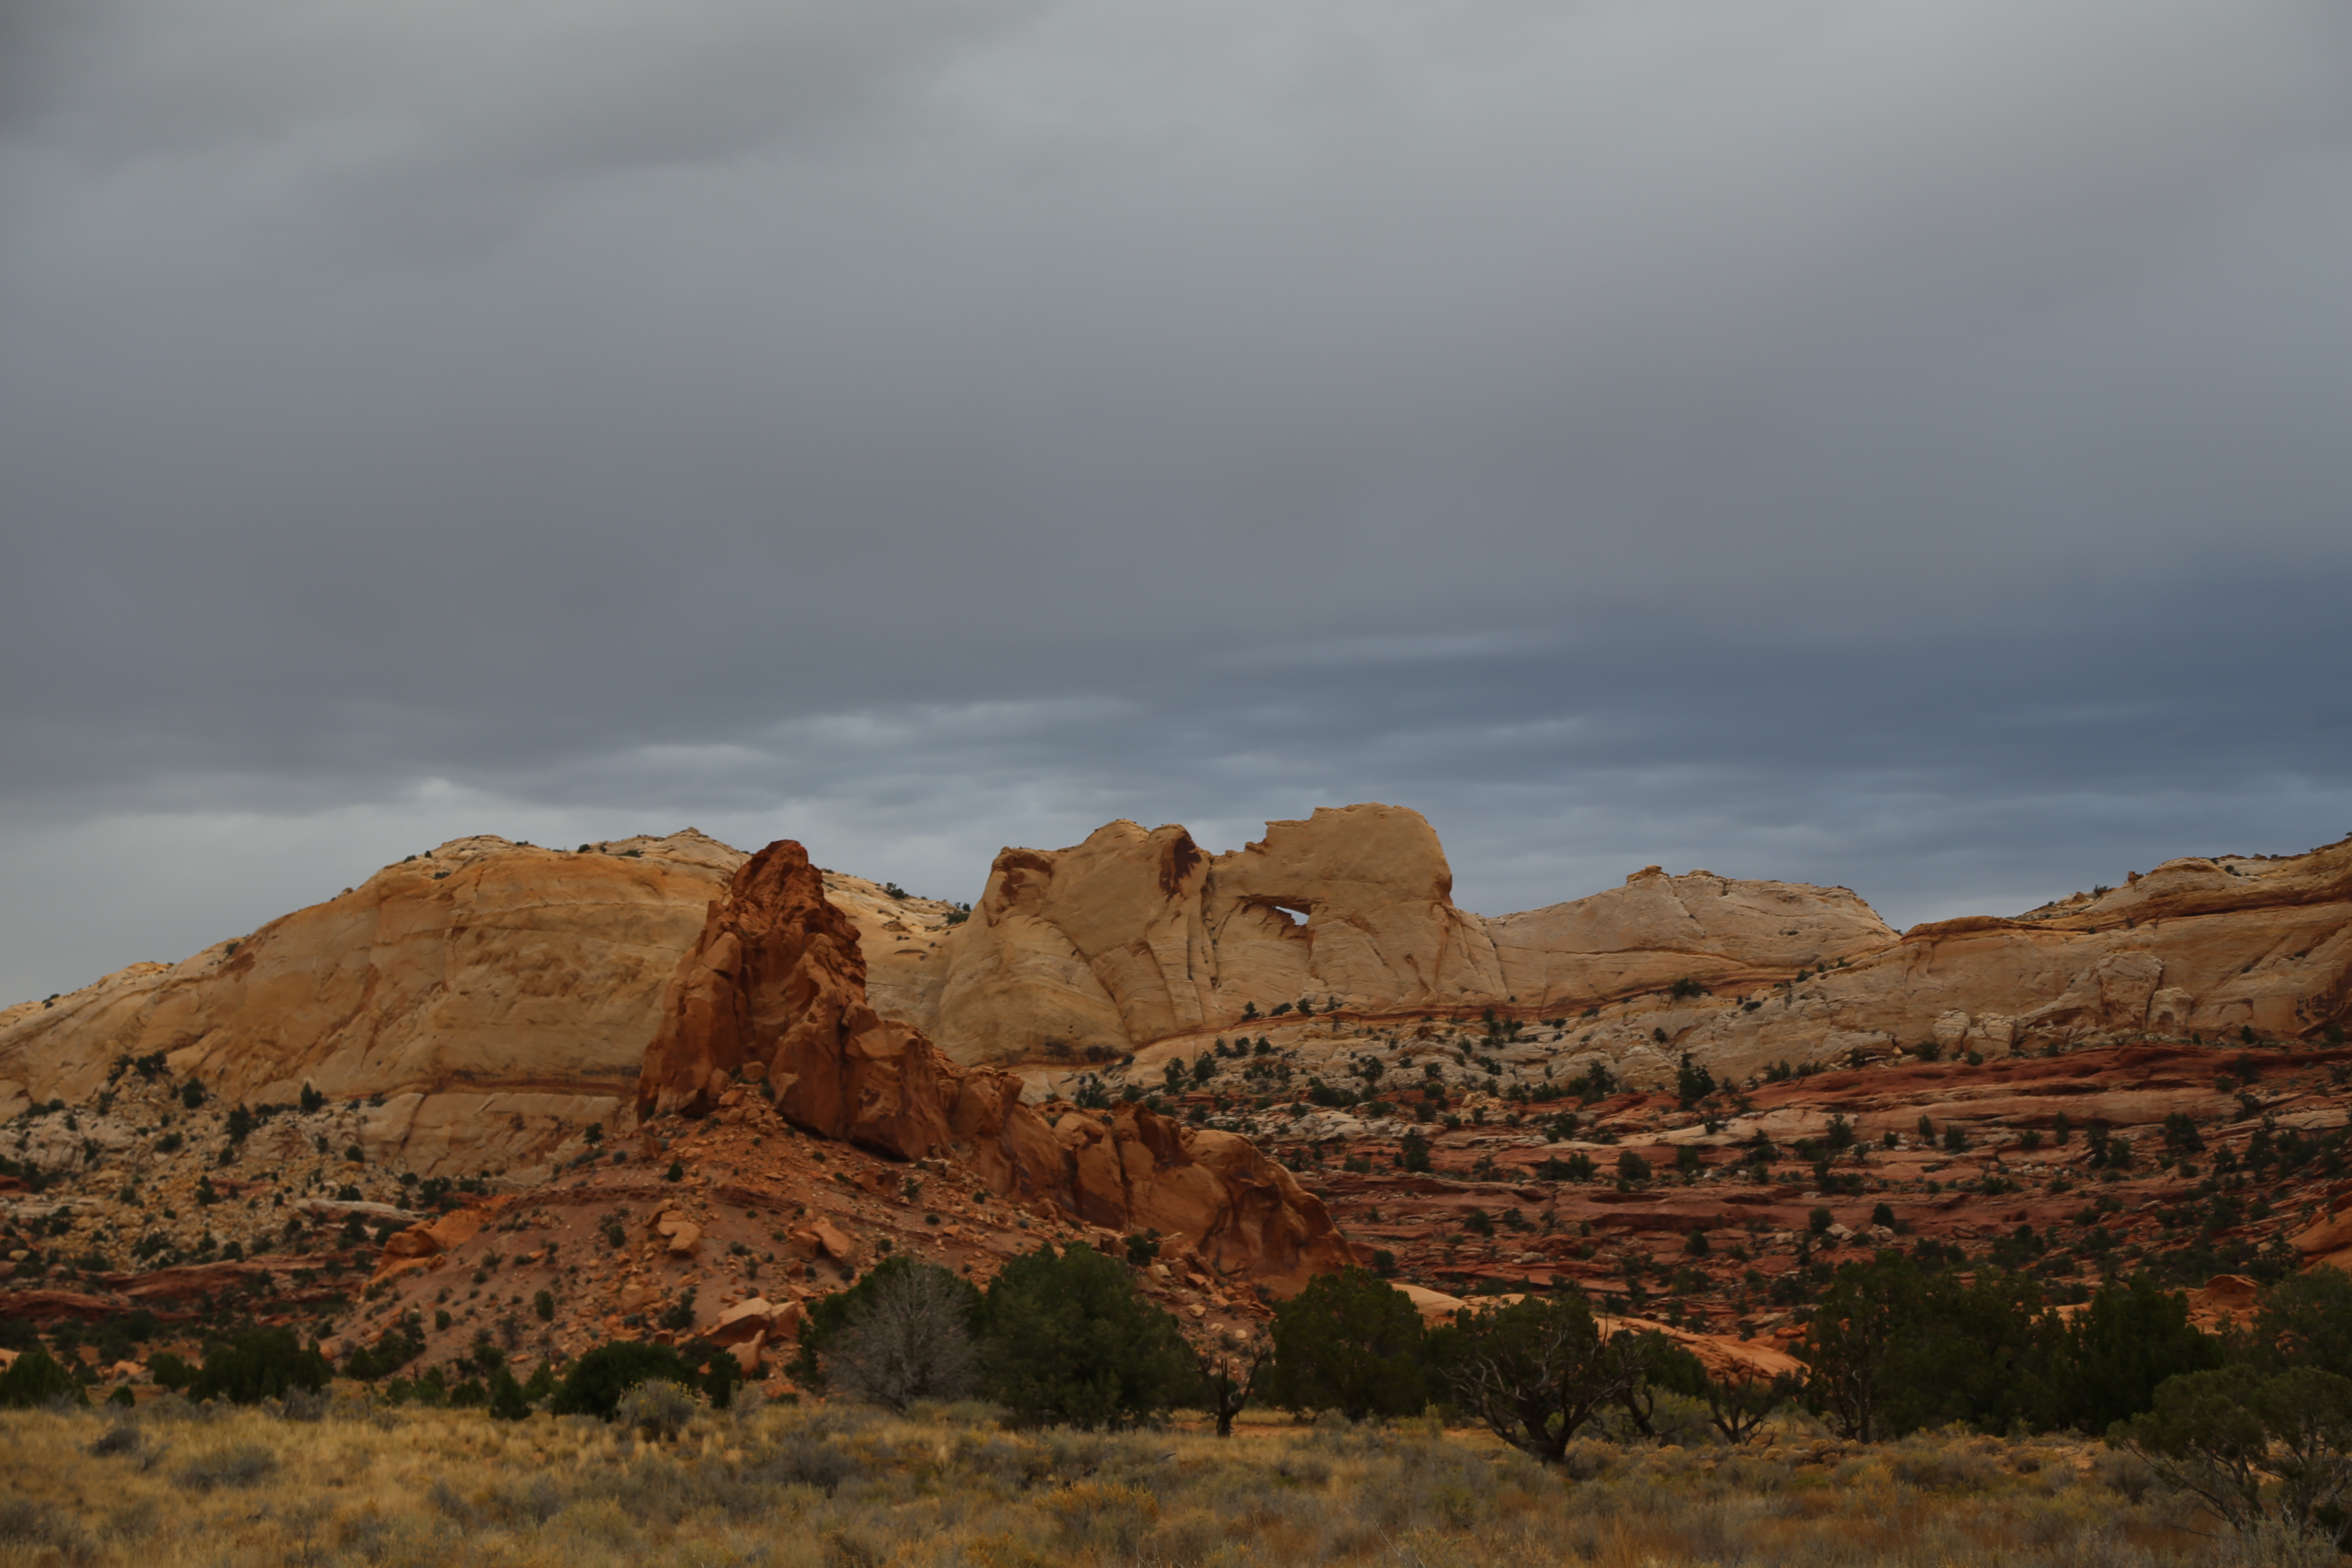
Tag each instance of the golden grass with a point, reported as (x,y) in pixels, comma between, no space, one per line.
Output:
(849,1487)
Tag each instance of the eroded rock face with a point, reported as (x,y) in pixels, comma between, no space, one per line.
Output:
(1657,928)
(496,996)
(1137,940)
(775,991)
(1135,935)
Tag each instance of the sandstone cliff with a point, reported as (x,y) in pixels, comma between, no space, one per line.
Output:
(774,991)
(1135,936)
(1139,941)
(2266,954)
(495,997)
(480,1005)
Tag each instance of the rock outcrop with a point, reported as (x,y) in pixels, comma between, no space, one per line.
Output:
(483,1002)
(774,994)
(1137,940)
(1135,936)
(477,1007)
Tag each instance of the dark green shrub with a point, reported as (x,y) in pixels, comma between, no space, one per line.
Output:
(2106,1363)
(393,1349)
(597,1380)
(1692,1083)
(2305,1320)
(507,1400)
(1351,1342)
(2260,1449)
(262,1365)
(35,1380)
(1066,1339)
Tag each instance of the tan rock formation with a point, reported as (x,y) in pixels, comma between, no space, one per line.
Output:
(475,1008)
(498,997)
(1656,930)
(774,992)
(2214,968)
(900,938)
(1086,954)
(1133,936)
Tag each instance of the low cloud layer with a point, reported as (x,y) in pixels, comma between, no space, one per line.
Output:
(1889,444)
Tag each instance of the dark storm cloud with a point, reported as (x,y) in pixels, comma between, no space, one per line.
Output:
(1890,444)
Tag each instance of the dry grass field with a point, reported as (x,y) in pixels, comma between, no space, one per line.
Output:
(850,1487)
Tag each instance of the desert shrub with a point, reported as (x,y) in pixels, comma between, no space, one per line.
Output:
(508,1402)
(598,1379)
(241,1465)
(122,1439)
(806,1460)
(261,1364)
(2106,1363)
(1426,1484)
(1934,1464)
(2126,1474)
(1351,1342)
(36,1527)
(35,1380)
(1102,1519)
(2305,1320)
(656,1408)
(1066,1338)
(2263,1451)
(302,1405)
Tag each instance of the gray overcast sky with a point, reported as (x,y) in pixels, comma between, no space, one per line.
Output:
(1899,443)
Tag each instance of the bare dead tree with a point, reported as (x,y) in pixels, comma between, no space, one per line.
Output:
(1229,1376)
(909,1342)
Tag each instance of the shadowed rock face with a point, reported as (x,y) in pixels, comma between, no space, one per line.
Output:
(775,990)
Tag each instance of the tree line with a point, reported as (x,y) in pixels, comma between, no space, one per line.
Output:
(2256,1419)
